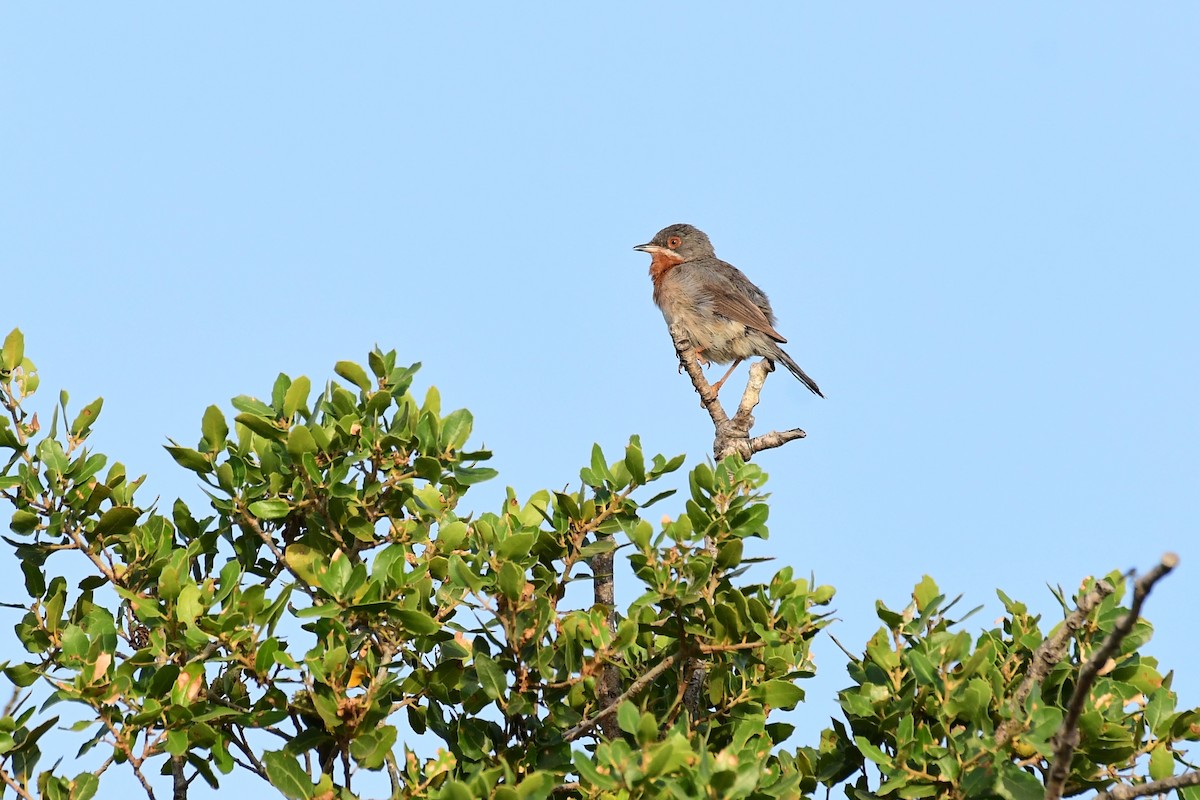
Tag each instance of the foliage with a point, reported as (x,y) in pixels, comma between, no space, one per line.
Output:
(336,599)
(927,703)
(332,610)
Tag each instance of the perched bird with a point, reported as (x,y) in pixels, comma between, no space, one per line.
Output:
(726,316)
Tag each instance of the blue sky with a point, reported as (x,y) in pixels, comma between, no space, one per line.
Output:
(977,225)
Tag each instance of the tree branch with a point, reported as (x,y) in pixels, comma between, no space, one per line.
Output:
(634,688)
(1048,655)
(1153,787)
(608,685)
(16,787)
(732,435)
(1068,734)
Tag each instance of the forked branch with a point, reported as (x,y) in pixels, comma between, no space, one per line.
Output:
(732,435)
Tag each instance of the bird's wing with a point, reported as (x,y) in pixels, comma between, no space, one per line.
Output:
(729,301)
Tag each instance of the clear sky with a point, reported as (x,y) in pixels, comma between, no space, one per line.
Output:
(978,226)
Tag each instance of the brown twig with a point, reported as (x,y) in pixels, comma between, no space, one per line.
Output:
(1068,734)
(634,688)
(732,435)
(1048,655)
(251,522)
(1153,787)
(12,782)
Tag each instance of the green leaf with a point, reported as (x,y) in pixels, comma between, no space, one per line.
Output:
(516,545)
(463,575)
(116,521)
(456,428)
(491,677)
(270,509)
(455,790)
(872,752)
(84,786)
(536,786)
(778,694)
(635,463)
(353,373)
(296,398)
(51,452)
(191,459)
(300,441)
(924,592)
(418,623)
(469,476)
(1014,783)
(590,775)
(451,535)
(252,405)
(922,667)
(87,416)
(307,562)
(214,428)
(22,675)
(286,775)
(628,717)
(599,466)
(372,747)
(1162,763)
(262,426)
(24,521)
(14,350)
(647,731)
(512,580)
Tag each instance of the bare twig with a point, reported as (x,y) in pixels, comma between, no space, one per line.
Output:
(251,522)
(1153,787)
(1048,655)
(690,364)
(1068,734)
(393,771)
(16,787)
(634,688)
(775,439)
(732,435)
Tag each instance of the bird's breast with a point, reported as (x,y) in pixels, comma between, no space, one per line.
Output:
(660,265)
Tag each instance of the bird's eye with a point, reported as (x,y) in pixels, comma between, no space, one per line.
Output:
(674,242)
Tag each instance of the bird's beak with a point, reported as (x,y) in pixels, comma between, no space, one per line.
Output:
(650,248)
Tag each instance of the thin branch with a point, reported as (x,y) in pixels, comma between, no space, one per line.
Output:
(728,648)
(251,522)
(79,542)
(564,788)
(1153,787)
(691,365)
(393,772)
(634,688)
(732,435)
(1068,734)
(1048,655)
(12,782)
(775,439)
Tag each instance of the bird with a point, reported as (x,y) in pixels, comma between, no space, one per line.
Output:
(726,317)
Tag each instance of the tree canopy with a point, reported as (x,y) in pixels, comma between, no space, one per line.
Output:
(336,623)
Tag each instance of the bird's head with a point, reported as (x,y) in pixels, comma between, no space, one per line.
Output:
(678,243)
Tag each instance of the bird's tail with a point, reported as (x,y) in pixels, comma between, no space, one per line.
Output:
(794,368)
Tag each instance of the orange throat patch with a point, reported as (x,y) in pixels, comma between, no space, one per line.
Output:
(661,264)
